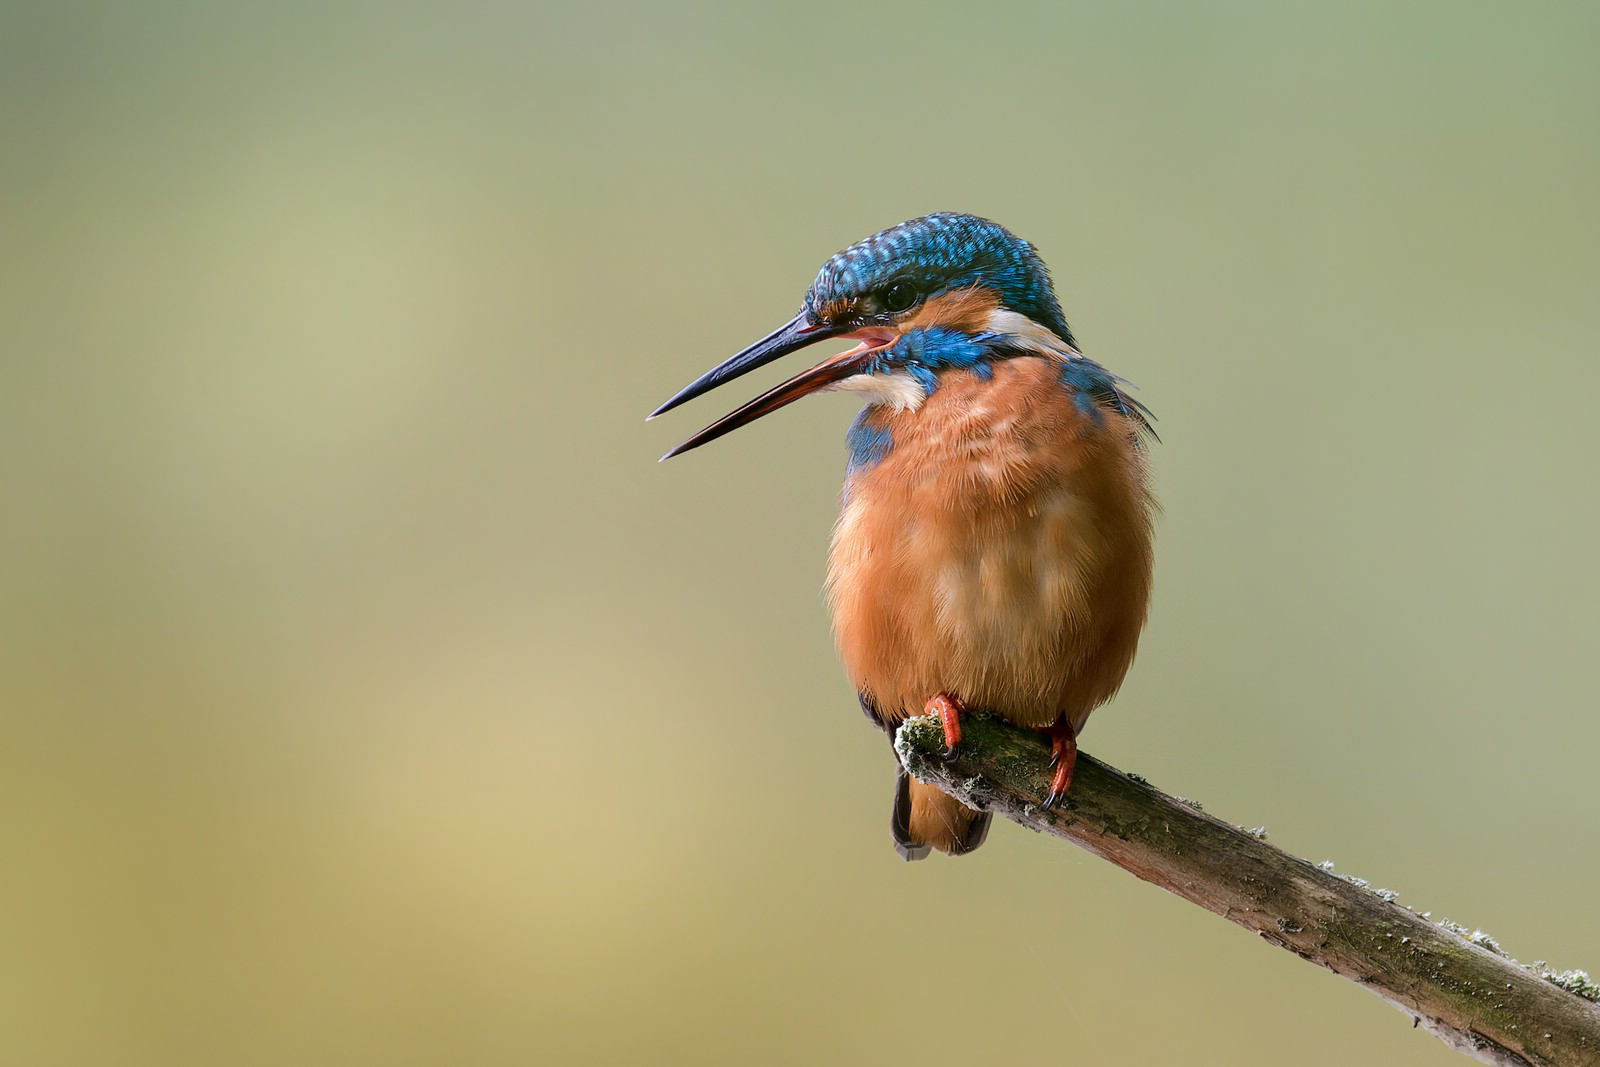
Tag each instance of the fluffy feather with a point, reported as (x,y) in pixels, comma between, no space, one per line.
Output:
(1000,551)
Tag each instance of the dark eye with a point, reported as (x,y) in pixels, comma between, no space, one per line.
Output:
(900,296)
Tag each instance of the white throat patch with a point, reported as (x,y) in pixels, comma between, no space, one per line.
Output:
(898,390)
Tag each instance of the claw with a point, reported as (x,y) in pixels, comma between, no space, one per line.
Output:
(949,710)
(1063,760)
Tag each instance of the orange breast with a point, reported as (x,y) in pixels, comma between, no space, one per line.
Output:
(1000,550)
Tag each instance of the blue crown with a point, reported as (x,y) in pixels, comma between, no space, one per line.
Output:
(940,252)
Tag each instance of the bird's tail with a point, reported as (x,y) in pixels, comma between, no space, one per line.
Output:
(927,817)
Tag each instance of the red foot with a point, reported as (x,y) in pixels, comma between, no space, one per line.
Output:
(949,710)
(1064,758)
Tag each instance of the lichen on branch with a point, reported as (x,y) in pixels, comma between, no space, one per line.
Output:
(1456,982)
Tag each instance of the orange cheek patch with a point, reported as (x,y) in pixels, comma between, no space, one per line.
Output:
(966,310)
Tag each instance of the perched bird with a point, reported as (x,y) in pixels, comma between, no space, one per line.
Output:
(993,551)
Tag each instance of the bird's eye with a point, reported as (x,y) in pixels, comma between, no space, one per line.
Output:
(900,296)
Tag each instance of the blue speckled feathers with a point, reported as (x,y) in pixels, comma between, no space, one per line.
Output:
(940,252)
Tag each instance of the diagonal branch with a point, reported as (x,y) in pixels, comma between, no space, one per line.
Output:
(1474,999)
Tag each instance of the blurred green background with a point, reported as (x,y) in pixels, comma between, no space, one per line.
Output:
(368,694)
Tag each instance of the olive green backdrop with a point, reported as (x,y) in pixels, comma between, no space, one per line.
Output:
(368,694)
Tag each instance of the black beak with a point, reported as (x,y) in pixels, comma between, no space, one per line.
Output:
(792,336)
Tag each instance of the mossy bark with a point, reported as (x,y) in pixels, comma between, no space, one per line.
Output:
(1479,1002)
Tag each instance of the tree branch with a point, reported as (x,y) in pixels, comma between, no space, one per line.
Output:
(1472,997)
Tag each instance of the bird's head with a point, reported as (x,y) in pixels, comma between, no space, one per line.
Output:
(940,292)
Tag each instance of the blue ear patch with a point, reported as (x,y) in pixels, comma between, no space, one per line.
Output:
(924,352)
(938,349)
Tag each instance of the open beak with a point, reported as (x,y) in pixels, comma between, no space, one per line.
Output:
(794,335)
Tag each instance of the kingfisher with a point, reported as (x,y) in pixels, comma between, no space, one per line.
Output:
(993,550)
